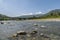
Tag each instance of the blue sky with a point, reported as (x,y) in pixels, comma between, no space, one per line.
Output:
(25,7)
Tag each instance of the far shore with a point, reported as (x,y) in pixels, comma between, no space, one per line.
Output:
(48,19)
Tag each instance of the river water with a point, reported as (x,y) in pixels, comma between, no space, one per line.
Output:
(11,27)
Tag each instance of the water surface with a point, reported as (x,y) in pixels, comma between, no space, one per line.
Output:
(8,29)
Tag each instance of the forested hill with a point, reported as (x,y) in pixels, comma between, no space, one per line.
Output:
(4,17)
(51,14)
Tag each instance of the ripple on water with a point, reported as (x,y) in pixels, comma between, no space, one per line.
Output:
(14,26)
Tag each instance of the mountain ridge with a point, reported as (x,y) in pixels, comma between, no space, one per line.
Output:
(51,14)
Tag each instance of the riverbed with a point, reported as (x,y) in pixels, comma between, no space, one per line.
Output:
(11,27)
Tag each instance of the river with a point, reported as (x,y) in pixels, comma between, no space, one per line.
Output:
(11,27)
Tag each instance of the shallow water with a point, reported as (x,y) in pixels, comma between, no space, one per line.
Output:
(8,29)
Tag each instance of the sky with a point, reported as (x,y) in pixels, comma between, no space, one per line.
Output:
(27,7)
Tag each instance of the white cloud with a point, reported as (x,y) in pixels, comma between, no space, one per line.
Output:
(38,13)
(31,13)
(27,13)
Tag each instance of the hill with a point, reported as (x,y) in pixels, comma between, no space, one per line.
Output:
(53,14)
(31,16)
(4,17)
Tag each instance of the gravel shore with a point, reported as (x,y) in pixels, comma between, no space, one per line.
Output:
(52,19)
